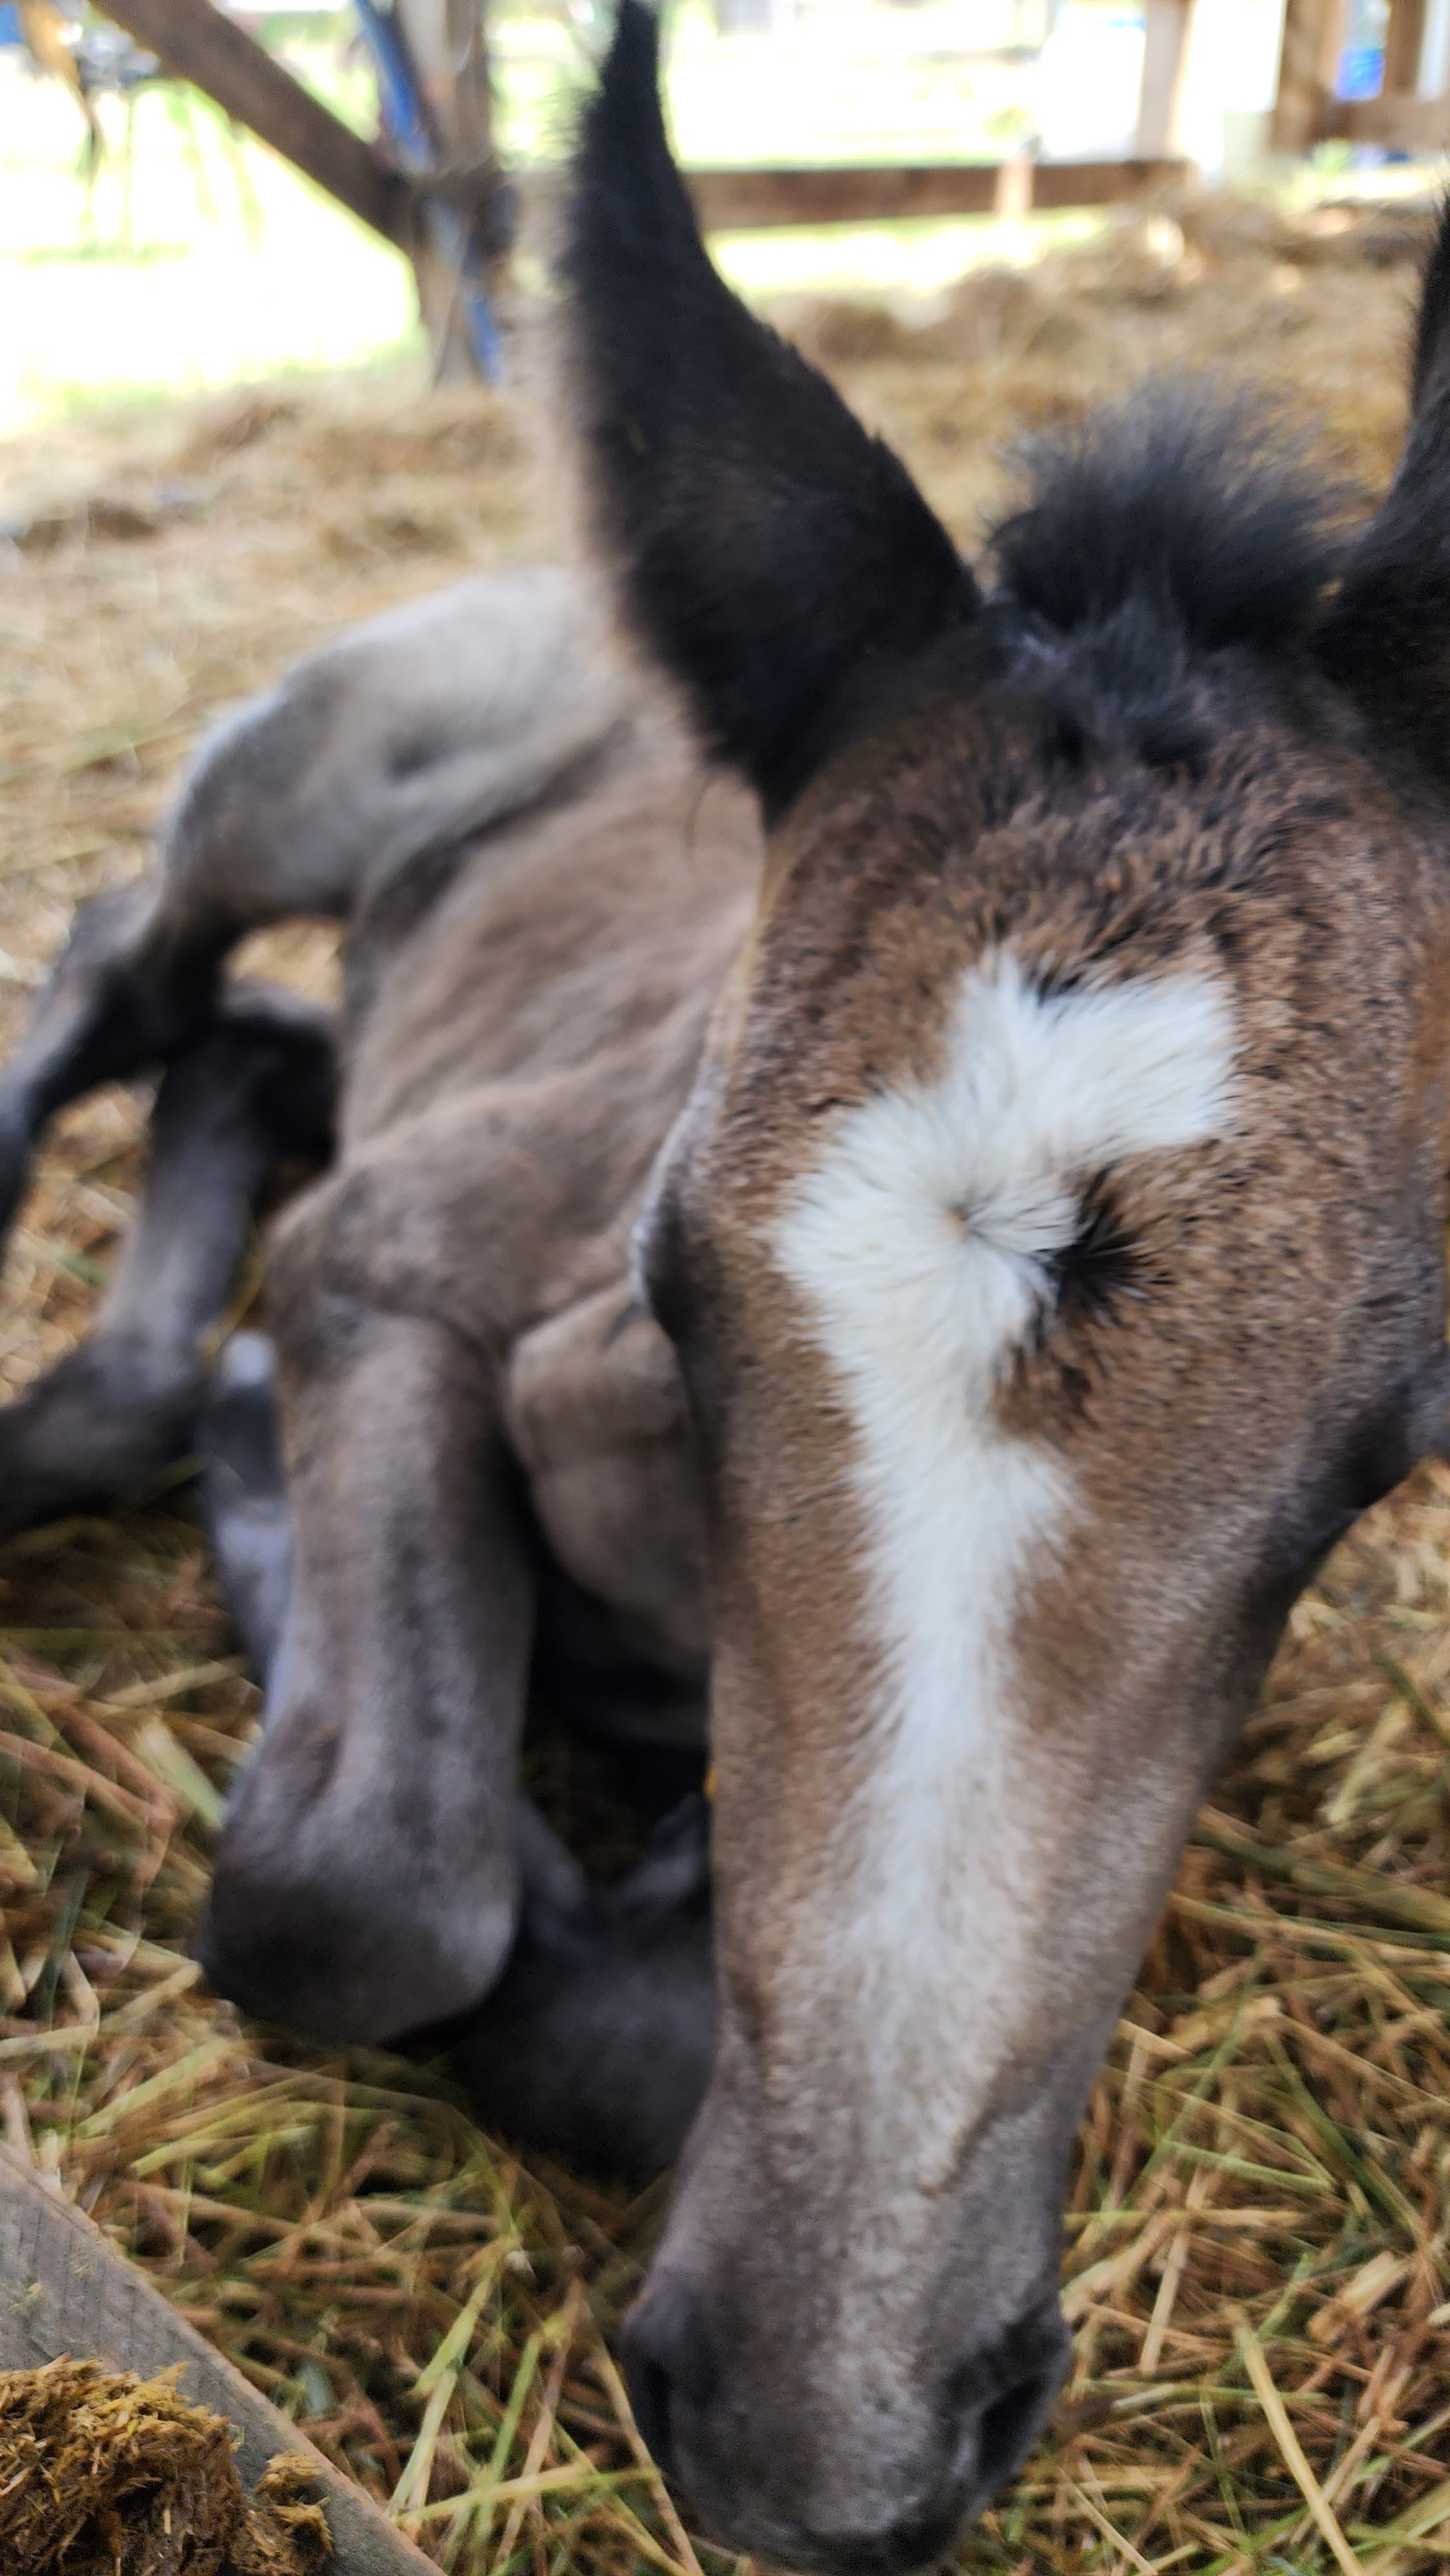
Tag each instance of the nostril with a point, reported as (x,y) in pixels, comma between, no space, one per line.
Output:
(997,2402)
(668,2358)
(1009,2426)
(649,2394)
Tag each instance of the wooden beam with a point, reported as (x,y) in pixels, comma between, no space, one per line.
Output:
(753,200)
(442,43)
(1402,124)
(196,41)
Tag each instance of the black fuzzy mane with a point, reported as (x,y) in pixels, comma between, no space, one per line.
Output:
(1182,504)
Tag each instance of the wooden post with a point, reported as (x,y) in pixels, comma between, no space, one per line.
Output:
(1404,44)
(447,48)
(1308,69)
(1012,196)
(1165,48)
(1432,73)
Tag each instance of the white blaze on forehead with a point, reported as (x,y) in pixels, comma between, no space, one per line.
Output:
(920,1246)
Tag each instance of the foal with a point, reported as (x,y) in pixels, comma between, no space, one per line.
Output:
(1036,1182)
(1051,1248)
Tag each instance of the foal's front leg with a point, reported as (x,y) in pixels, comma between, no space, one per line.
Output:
(595,2042)
(366,1878)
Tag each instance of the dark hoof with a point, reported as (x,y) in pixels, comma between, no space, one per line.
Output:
(98,1427)
(596,2043)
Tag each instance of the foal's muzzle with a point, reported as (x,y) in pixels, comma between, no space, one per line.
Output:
(985,2416)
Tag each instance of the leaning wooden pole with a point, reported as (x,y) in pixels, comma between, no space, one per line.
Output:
(196,41)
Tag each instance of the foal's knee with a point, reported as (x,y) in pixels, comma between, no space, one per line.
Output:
(310,1923)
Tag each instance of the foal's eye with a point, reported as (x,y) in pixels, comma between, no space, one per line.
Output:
(661,1270)
(1100,1263)
(667,1296)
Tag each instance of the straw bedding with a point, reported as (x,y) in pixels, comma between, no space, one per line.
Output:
(1258,2248)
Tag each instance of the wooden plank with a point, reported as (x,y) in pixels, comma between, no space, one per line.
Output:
(751,200)
(1100,183)
(195,40)
(1402,124)
(64,2289)
(1308,65)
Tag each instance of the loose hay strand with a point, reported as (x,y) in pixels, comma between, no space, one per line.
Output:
(1293,2451)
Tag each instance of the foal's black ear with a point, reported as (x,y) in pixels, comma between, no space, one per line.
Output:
(770,552)
(1386,637)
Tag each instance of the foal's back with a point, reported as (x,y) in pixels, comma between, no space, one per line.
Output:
(573,950)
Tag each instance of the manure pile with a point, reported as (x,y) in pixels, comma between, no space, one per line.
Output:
(1259,2235)
(102,2474)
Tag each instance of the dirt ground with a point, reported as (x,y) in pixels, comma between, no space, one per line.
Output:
(1258,2250)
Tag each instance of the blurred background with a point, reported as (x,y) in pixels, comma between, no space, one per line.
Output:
(149,246)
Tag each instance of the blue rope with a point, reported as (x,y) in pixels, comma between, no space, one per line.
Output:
(406,126)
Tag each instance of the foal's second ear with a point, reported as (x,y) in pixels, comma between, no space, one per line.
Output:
(770,552)
(1386,638)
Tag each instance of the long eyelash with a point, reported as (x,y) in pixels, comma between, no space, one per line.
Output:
(633,1311)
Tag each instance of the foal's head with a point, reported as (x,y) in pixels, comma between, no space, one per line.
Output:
(1052,1247)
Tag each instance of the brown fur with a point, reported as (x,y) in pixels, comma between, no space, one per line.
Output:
(1291,1287)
